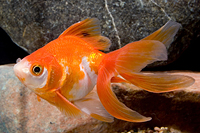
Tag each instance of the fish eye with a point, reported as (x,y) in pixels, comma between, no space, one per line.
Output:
(37,70)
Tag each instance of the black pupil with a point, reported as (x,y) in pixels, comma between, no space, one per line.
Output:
(36,69)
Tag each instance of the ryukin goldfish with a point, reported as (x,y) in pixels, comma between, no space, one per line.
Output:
(73,74)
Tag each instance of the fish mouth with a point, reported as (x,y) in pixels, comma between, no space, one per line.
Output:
(17,72)
(18,60)
(21,69)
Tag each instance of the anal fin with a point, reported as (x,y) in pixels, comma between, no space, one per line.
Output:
(92,106)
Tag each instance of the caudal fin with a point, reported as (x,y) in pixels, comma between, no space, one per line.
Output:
(131,58)
(128,62)
(158,83)
(165,34)
(110,101)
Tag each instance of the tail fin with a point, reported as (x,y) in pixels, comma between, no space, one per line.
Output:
(165,34)
(110,101)
(127,62)
(158,83)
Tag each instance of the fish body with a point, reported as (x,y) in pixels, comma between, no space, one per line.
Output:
(65,71)
(75,71)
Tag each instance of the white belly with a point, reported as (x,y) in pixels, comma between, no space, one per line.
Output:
(85,85)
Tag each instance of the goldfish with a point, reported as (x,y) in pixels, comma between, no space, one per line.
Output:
(73,74)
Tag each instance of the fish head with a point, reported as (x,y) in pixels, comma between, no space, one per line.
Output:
(38,71)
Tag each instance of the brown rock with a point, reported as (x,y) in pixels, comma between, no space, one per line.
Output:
(32,24)
(21,112)
(171,109)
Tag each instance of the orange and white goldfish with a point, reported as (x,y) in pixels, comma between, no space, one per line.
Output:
(65,71)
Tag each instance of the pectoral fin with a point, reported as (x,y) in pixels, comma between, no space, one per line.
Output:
(66,106)
(38,98)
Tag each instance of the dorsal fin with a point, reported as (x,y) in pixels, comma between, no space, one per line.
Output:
(89,30)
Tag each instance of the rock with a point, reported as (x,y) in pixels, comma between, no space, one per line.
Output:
(172,109)
(21,112)
(9,51)
(32,24)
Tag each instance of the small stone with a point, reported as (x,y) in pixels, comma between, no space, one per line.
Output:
(157,128)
